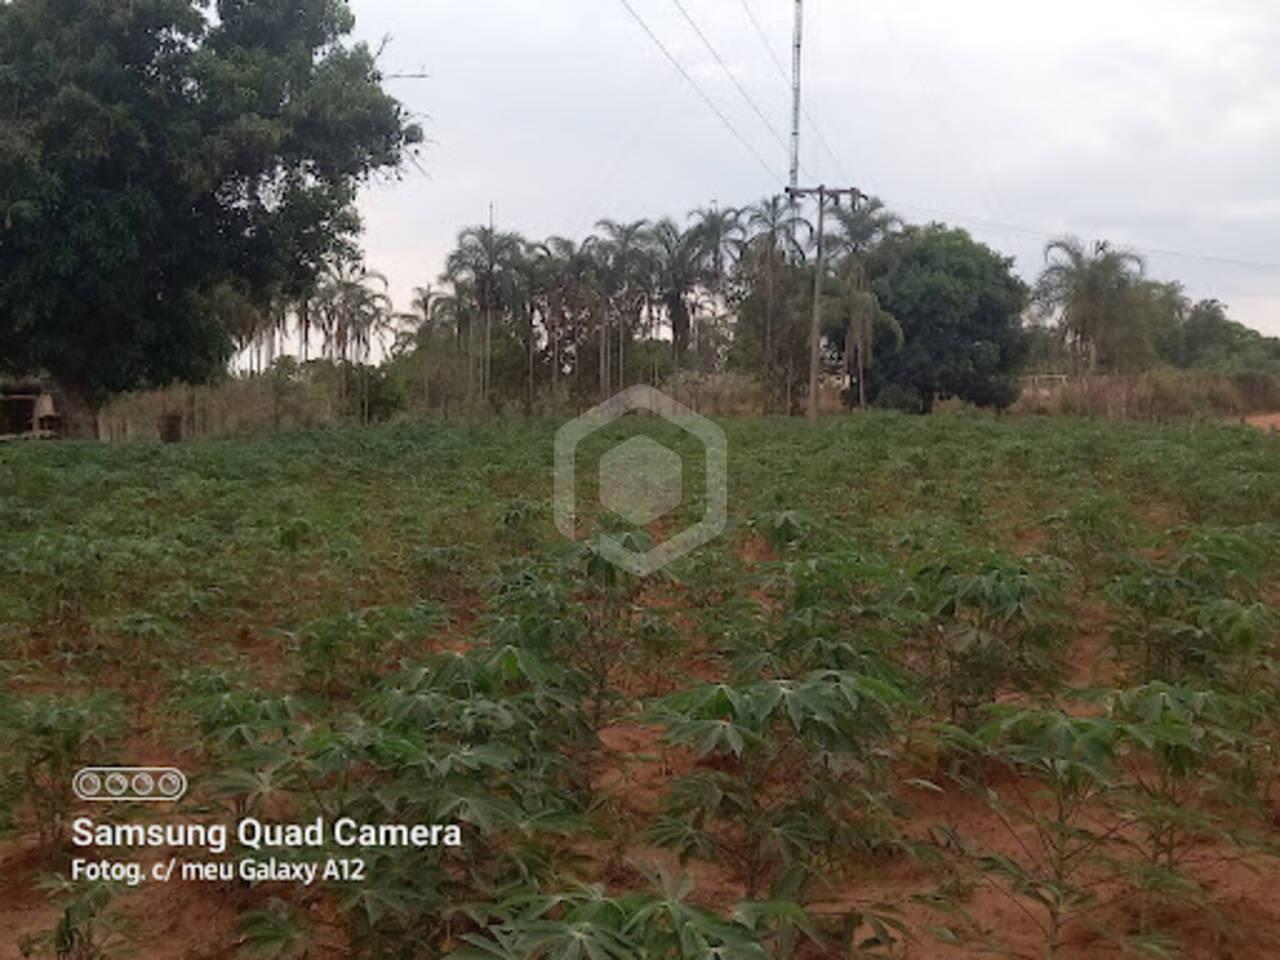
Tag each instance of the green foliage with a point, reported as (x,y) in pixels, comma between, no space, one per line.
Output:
(381,623)
(1198,614)
(819,732)
(984,629)
(351,650)
(1092,531)
(589,925)
(43,741)
(958,306)
(206,159)
(1073,759)
(279,932)
(88,928)
(1191,759)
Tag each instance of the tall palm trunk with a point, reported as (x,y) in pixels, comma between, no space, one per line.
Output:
(426,376)
(604,354)
(528,400)
(768,335)
(553,335)
(487,382)
(862,379)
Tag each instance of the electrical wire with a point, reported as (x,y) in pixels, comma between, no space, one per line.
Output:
(786,78)
(729,73)
(1040,234)
(981,221)
(701,93)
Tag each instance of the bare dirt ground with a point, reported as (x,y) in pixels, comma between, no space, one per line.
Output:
(198,921)
(1265,421)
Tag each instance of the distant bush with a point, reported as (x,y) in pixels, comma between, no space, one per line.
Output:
(897,396)
(287,395)
(718,393)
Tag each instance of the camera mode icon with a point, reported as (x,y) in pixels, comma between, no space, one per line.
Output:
(130,784)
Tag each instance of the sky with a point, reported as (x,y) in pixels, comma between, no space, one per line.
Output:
(1154,124)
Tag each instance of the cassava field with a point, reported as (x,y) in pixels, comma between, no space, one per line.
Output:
(945,687)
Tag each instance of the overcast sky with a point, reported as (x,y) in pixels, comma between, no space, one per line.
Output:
(1152,123)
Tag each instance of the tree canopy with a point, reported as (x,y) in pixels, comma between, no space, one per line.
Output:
(158,161)
(1107,316)
(958,305)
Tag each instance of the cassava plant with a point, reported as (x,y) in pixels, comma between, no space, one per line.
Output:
(44,740)
(793,772)
(89,927)
(585,923)
(1062,770)
(1188,759)
(988,628)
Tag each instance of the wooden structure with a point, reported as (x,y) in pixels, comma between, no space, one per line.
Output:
(28,411)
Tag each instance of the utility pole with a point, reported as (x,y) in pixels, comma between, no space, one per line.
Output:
(815,329)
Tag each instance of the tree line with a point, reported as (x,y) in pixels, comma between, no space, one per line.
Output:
(909,314)
(177,188)
(1098,311)
(528,324)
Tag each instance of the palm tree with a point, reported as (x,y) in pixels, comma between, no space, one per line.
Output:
(352,308)
(240,316)
(532,282)
(483,262)
(424,307)
(850,305)
(715,231)
(775,221)
(678,274)
(771,230)
(1091,289)
(625,269)
(860,227)
(569,278)
(354,312)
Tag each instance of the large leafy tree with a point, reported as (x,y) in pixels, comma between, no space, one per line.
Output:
(152,152)
(958,305)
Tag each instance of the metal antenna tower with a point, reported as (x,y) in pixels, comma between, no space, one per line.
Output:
(797,42)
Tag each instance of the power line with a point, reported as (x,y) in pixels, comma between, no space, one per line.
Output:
(729,73)
(693,83)
(786,78)
(1041,234)
(764,37)
(981,221)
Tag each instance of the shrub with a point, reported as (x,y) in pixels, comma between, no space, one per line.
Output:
(44,741)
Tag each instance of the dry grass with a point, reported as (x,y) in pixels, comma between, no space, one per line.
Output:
(243,405)
(1160,395)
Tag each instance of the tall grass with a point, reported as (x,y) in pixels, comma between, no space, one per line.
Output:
(1159,395)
